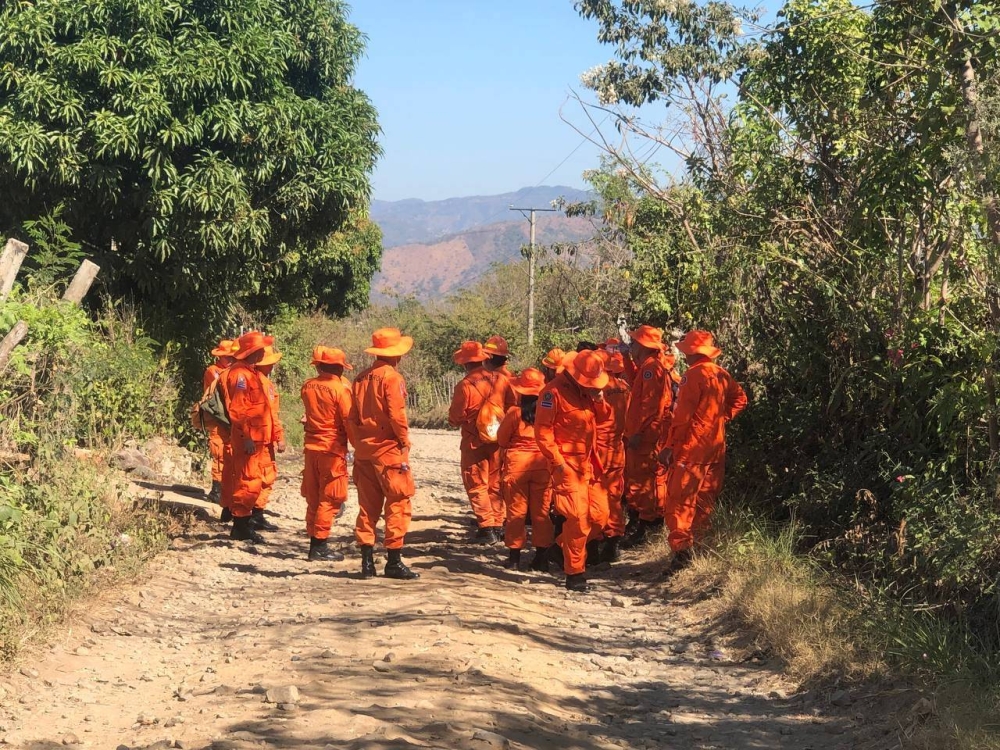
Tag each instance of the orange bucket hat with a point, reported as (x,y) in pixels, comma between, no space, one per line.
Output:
(470,351)
(587,369)
(615,363)
(529,383)
(699,342)
(496,346)
(252,342)
(226,348)
(553,360)
(271,357)
(327,355)
(389,342)
(649,337)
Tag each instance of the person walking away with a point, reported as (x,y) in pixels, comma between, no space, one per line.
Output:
(709,398)
(645,428)
(217,433)
(565,427)
(611,452)
(265,367)
(381,435)
(251,432)
(327,402)
(498,351)
(552,364)
(525,475)
(480,458)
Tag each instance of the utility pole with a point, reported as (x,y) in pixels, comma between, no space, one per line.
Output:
(531,267)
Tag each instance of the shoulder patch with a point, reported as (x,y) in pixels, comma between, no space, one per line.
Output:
(647,374)
(548,400)
(241,382)
(684,380)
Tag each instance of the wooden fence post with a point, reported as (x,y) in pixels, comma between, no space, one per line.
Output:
(10,264)
(82,282)
(11,340)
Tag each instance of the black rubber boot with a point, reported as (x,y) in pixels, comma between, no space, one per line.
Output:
(368,562)
(319,550)
(260,521)
(556,556)
(215,494)
(484,534)
(576,582)
(395,568)
(609,552)
(593,553)
(226,516)
(513,559)
(540,561)
(633,522)
(498,534)
(243,531)
(639,537)
(678,562)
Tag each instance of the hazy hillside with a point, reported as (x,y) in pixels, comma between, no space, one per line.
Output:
(411,221)
(431,270)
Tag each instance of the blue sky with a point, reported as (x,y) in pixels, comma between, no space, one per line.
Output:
(469,93)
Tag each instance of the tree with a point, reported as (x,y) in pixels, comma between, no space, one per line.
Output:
(220,143)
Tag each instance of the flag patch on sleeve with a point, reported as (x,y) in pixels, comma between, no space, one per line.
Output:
(547,400)
(241,382)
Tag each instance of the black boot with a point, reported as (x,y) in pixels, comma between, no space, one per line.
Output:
(226,516)
(576,582)
(556,556)
(260,521)
(593,553)
(215,494)
(513,559)
(319,550)
(484,534)
(638,537)
(396,569)
(633,521)
(540,561)
(368,562)
(609,553)
(243,531)
(498,534)
(679,561)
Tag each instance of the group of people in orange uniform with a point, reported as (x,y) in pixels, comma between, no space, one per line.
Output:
(593,450)
(596,448)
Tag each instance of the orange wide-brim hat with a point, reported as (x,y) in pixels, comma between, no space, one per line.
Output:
(587,369)
(615,363)
(553,360)
(252,342)
(496,346)
(699,342)
(649,337)
(469,352)
(389,342)
(226,348)
(529,383)
(271,357)
(328,355)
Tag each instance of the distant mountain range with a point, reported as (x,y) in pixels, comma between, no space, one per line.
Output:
(433,248)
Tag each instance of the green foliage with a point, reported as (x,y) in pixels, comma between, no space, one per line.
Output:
(220,145)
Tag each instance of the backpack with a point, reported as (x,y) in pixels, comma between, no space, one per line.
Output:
(210,410)
(488,419)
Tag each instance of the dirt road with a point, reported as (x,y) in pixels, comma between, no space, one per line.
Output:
(470,656)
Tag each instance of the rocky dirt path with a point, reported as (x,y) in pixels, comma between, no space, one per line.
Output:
(224,646)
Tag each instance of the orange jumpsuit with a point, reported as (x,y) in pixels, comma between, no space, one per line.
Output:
(707,400)
(216,437)
(647,417)
(381,436)
(480,461)
(525,483)
(278,436)
(327,404)
(611,452)
(565,427)
(251,418)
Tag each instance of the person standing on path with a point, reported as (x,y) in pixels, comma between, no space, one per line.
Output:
(480,459)
(525,475)
(381,435)
(217,433)
(695,450)
(648,414)
(327,401)
(566,430)
(498,353)
(251,432)
(265,367)
(611,452)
